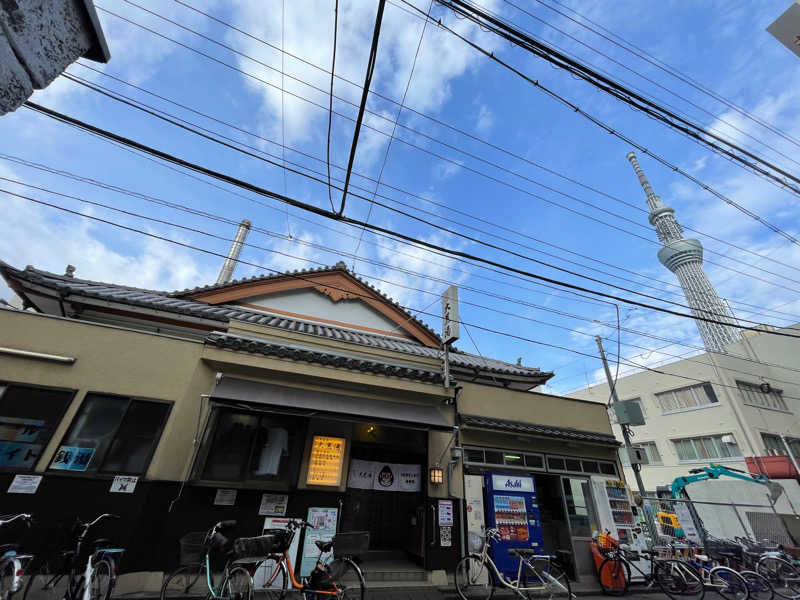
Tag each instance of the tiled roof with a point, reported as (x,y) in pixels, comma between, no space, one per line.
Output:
(168,302)
(566,433)
(313,355)
(340,266)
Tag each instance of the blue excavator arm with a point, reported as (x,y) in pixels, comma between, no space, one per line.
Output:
(714,471)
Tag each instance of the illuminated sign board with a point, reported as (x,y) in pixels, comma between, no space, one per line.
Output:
(325,462)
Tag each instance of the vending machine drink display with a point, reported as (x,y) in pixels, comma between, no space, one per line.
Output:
(512,509)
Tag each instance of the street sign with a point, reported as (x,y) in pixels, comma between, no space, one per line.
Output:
(786,28)
(450,321)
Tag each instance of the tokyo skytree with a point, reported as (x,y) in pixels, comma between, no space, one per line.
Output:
(684,257)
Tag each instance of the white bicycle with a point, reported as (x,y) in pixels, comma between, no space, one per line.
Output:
(12,565)
(538,575)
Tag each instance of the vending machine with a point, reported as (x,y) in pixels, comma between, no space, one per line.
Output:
(512,508)
(615,514)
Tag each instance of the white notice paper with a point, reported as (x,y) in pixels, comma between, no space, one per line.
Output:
(123,484)
(24,484)
(273,504)
(445,513)
(225,497)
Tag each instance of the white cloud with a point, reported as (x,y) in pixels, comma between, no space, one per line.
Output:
(50,240)
(484,120)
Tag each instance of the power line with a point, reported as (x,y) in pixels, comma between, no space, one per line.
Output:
(300,276)
(393,209)
(621,136)
(698,133)
(646,78)
(330,96)
(373,55)
(394,130)
(672,71)
(316,210)
(443,281)
(110,94)
(382,117)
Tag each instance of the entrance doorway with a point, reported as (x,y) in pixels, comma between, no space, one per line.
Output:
(393,518)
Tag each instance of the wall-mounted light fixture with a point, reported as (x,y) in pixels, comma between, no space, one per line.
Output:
(437,475)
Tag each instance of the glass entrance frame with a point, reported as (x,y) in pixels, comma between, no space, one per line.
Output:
(580,508)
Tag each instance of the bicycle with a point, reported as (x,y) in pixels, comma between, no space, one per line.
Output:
(537,576)
(778,568)
(699,577)
(736,555)
(340,578)
(241,556)
(12,565)
(58,578)
(614,572)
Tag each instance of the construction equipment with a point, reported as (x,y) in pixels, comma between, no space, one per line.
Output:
(714,471)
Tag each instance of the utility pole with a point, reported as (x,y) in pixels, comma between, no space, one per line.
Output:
(626,436)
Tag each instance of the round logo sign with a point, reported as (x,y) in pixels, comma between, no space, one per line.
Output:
(386,477)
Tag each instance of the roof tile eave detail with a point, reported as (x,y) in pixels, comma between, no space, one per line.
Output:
(173,303)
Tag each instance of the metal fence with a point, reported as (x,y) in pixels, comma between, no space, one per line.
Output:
(675,521)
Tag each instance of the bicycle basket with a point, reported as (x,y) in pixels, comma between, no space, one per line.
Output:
(255,547)
(350,543)
(192,548)
(283,539)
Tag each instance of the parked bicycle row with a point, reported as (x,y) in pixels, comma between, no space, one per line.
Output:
(215,564)
(739,569)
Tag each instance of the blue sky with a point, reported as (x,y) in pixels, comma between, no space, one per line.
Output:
(723,45)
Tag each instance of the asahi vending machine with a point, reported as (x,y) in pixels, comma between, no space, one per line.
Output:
(512,508)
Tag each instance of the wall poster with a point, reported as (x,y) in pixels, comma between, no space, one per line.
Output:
(324,521)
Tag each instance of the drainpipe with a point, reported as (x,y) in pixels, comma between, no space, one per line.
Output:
(791,456)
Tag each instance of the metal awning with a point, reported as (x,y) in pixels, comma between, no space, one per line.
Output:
(349,408)
(537,430)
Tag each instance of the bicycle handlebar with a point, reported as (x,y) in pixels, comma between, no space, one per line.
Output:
(24,516)
(85,527)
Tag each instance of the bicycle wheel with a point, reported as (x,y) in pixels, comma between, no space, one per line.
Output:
(729,584)
(270,579)
(782,576)
(103,580)
(473,578)
(614,575)
(545,579)
(185,582)
(671,581)
(348,578)
(690,581)
(759,586)
(45,582)
(238,585)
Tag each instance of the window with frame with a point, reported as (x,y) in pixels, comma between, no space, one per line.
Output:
(754,396)
(710,447)
(28,418)
(253,447)
(688,398)
(112,434)
(773,445)
(650,450)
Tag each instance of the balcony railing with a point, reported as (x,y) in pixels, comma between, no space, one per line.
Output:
(774,467)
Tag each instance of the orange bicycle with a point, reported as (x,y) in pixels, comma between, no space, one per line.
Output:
(339,578)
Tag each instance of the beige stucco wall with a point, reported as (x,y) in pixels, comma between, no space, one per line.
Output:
(114,361)
(532,407)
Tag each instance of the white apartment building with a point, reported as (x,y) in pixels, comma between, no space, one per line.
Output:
(712,408)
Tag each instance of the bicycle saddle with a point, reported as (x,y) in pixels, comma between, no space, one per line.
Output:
(6,548)
(324,545)
(101,542)
(521,551)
